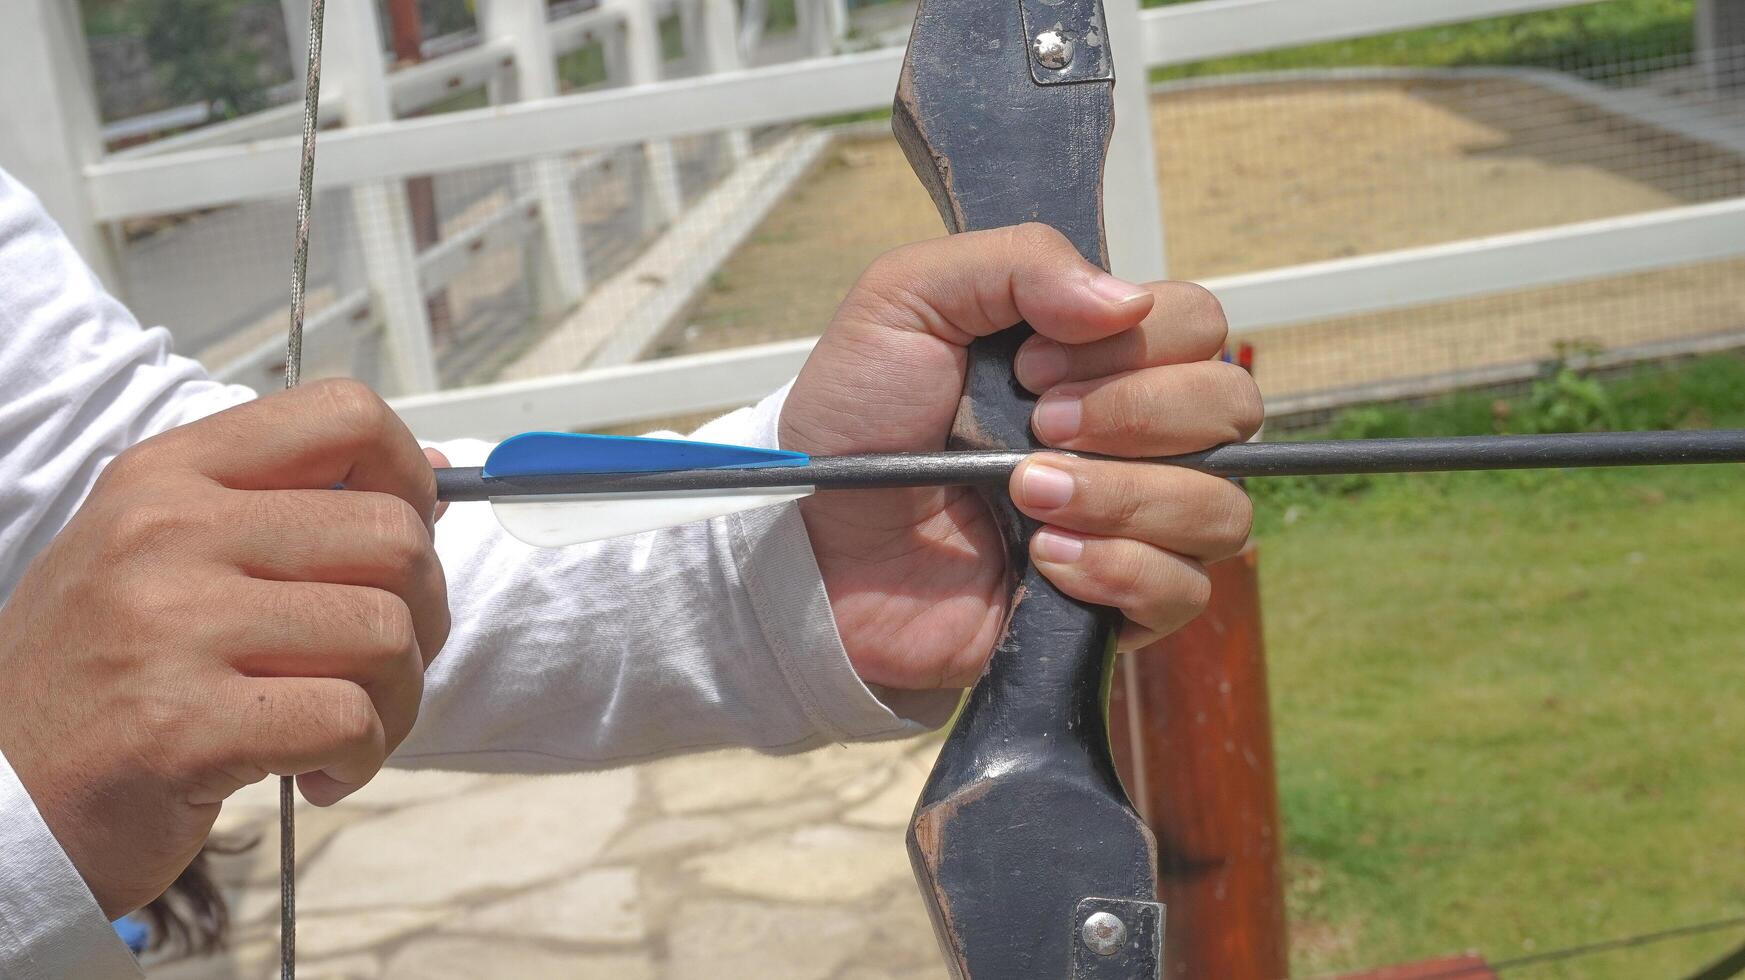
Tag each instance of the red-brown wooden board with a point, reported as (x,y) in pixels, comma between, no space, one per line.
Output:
(1193,741)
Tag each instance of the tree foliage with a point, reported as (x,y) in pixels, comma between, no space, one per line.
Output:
(201,56)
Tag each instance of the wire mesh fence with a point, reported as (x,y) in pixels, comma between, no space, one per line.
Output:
(1261,171)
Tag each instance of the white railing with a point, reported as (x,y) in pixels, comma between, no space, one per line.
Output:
(509,134)
(1179,34)
(153,181)
(1253,302)
(410,90)
(1482,266)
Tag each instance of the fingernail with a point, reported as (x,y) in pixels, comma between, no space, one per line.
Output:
(1041,365)
(1058,417)
(1046,487)
(1117,291)
(1057,547)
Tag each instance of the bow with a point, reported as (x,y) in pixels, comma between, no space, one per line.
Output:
(1031,859)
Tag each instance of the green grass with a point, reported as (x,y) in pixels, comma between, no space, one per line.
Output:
(1509,706)
(1705,392)
(1571,39)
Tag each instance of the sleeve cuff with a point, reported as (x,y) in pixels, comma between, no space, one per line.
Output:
(50,925)
(780,572)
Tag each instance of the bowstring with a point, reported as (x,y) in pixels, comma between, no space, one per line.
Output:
(293,374)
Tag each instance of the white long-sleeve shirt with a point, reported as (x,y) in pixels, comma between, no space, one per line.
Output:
(712,634)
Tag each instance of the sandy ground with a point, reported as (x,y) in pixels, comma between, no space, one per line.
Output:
(1262,176)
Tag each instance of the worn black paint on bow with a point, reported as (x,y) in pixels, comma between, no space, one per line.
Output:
(1024,817)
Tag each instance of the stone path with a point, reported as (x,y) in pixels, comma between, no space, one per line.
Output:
(728,866)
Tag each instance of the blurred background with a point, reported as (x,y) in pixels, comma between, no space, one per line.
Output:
(1507,708)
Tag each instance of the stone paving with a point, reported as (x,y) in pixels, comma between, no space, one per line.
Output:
(726,866)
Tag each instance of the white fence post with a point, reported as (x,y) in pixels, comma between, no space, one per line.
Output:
(754,19)
(816,25)
(642,46)
(354,58)
(562,266)
(839,22)
(690,14)
(613,51)
(1135,212)
(296,14)
(720,44)
(49,127)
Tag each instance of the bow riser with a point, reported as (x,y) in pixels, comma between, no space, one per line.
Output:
(1024,818)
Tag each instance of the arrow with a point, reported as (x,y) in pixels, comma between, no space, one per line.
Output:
(552,488)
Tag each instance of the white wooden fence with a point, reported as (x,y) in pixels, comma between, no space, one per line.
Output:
(241,162)
(1256,301)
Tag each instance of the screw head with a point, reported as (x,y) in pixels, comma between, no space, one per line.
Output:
(1104,933)
(1053,49)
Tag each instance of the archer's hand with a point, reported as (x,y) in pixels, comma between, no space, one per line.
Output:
(213,613)
(915,577)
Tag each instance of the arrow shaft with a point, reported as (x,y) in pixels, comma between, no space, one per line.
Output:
(1254,459)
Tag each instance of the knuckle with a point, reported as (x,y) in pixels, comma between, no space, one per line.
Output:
(1244,409)
(1203,306)
(1129,508)
(1253,414)
(1194,318)
(132,465)
(888,271)
(146,526)
(1126,578)
(1036,237)
(1119,415)
(1196,590)
(351,718)
(886,292)
(1239,517)
(390,622)
(151,605)
(399,532)
(164,726)
(353,403)
(1225,512)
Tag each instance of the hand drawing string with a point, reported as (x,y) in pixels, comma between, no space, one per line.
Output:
(293,373)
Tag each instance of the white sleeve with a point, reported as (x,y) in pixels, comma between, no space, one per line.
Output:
(80,381)
(713,634)
(50,925)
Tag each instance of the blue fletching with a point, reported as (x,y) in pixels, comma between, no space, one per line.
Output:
(544,453)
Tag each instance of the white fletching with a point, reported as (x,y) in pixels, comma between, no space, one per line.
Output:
(555,521)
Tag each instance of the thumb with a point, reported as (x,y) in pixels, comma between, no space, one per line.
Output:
(966,286)
(886,375)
